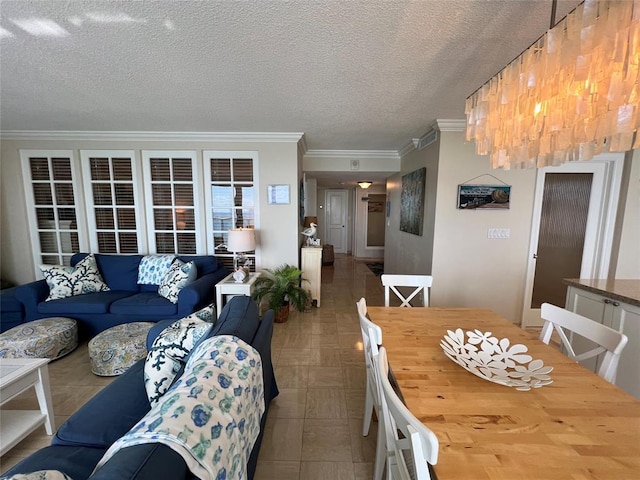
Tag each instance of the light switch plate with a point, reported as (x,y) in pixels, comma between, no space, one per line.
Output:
(499,233)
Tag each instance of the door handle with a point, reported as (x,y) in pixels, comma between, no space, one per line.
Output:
(535,255)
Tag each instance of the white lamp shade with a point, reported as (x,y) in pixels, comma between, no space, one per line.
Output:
(241,240)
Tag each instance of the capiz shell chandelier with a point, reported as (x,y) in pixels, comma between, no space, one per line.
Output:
(573,94)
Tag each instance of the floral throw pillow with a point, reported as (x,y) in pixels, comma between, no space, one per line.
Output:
(66,281)
(170,350)
(179,276)
(153,268)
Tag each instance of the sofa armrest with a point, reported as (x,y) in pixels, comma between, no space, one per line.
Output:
(200,293)
(30,295)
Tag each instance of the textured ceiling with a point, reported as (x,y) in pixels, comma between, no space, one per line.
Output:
(351,75)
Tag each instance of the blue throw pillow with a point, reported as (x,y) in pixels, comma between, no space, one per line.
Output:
(153,268)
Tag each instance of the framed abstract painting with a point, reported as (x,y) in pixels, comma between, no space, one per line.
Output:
(412,201)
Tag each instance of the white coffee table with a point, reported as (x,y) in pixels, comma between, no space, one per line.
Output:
(228,286)
(16,376)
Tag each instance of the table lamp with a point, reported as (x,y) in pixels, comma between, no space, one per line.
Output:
(240,240)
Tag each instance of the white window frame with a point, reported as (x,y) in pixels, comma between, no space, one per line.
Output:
(139,208)
(76,182)
(207,155)
(197,182)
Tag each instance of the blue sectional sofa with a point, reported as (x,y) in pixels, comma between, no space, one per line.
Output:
(126,301)
(11,309)
(83,439)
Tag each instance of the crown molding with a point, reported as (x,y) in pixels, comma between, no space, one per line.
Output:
(449,125)
(155,136)
(302,145)
(360,154)
(409,147)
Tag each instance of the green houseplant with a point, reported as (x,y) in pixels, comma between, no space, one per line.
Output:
(280,287)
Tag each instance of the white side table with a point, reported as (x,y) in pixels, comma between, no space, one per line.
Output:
(16,376)
(228,286)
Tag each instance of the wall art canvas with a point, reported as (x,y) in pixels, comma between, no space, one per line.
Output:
(412,201)
(485,197)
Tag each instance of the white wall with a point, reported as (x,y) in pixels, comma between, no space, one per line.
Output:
(628,265)
(351,161)
(469,269)
(278,233)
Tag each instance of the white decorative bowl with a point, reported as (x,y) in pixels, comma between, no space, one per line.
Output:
(495,360)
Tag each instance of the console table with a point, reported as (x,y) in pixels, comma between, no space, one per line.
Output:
(17,375)
(312,270)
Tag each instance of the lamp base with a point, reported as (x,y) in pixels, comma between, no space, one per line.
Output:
(240,275)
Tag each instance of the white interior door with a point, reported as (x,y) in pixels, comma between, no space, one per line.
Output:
(578,244)
(336,219)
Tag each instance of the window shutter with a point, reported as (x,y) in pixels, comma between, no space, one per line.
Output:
(54,205)
(113,201)
(172,193)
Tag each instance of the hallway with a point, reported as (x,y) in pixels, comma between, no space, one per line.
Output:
(314,428)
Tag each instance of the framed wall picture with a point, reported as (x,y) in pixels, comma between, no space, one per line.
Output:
(412,201)
(278,194)
(483,197)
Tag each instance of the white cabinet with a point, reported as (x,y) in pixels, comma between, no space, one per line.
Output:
(615,314)
(311,271)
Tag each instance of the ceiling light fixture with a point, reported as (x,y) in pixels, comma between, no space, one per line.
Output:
(364,184)
(573,94)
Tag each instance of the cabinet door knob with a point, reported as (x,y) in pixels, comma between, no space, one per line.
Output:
(607,301)
(615,304)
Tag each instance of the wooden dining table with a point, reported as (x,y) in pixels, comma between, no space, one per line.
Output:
(578,427)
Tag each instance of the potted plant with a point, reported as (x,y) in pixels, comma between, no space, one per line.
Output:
(281,287)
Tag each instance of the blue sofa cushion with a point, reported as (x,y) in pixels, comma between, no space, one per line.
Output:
(9,302)
(76,462)
(204,263)
(149,303)
(11,309)
(119,271)
(109,414)
(239,317)
(150,461)
(98,302)
(144,287)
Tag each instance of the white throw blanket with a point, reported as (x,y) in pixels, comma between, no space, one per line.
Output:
(211,416)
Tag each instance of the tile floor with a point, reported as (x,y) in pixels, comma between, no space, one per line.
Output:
(314,427)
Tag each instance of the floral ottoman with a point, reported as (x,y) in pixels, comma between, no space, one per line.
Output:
(114,350)
(46,338)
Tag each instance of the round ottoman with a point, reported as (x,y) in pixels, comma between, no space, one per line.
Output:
(46,338)
(113,351)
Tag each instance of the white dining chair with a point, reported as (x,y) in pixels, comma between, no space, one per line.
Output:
(410,445)
(371,339)
(610,341)
(420,283)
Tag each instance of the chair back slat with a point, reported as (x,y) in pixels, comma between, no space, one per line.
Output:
(371,339)
(608,340)
(418,283)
